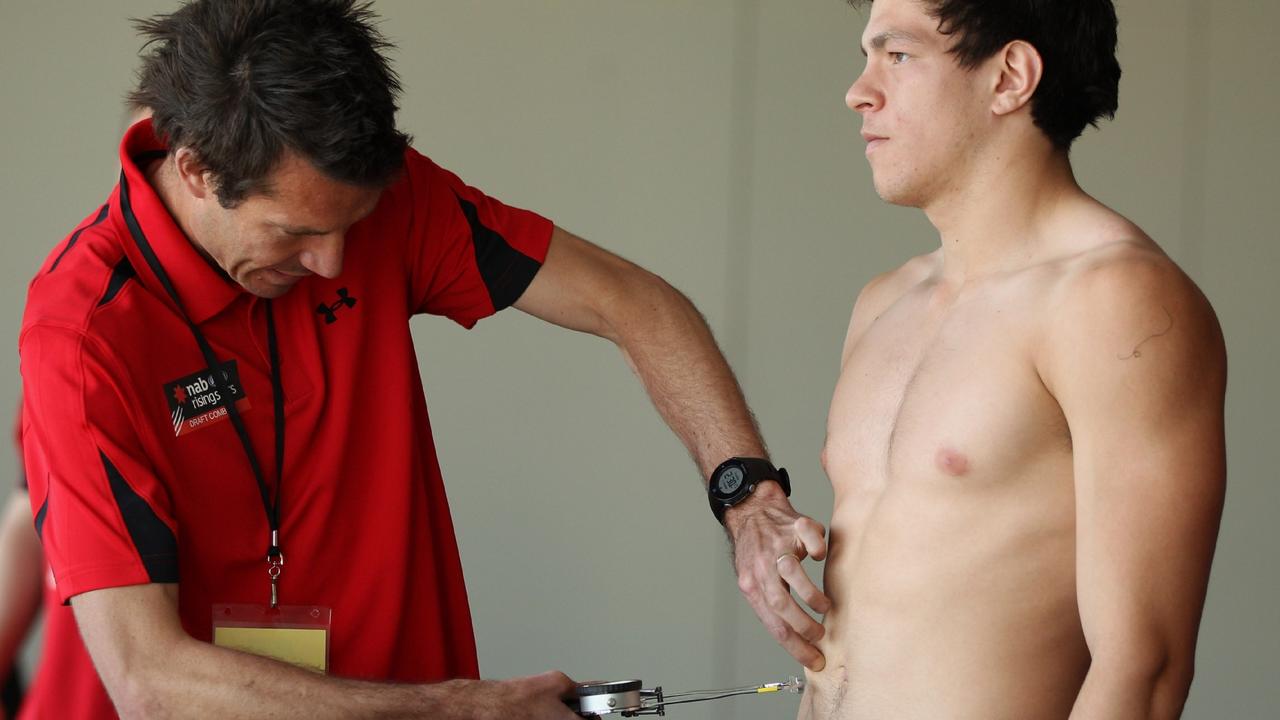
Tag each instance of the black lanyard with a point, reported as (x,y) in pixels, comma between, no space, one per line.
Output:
(275,557)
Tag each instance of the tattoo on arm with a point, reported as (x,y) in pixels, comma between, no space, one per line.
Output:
(1137,350)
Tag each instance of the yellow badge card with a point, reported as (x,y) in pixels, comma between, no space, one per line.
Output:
(298,635)
(303,647)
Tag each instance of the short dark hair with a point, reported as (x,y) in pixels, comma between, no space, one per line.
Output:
(1075,38)
(241,81)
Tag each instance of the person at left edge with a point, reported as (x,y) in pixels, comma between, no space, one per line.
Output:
(278,210)
(64,676)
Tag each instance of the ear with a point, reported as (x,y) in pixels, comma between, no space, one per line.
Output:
(193,176)
(1020,67)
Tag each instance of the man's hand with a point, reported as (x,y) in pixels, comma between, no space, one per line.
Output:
(538,697)
(769,540)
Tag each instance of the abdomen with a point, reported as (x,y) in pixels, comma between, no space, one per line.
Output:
(952,604)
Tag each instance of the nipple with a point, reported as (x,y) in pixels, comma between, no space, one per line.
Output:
(952,462)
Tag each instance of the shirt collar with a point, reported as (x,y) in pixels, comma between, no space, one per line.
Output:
(203,290)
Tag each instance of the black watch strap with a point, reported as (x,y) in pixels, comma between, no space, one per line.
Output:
(756,471)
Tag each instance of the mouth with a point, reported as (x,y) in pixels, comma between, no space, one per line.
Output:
(873,141)
(279,277)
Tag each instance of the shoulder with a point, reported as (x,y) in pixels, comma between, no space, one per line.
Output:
(885,288)
(882,291)
(423,194)
(1126,300)
(420,174)
(1128,282)
(1117,266)
(82,276)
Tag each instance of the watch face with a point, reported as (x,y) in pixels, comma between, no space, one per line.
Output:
(730,480)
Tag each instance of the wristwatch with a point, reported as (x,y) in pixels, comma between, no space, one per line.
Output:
(736,478)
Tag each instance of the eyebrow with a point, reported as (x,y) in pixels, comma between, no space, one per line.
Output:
(303,230)
(879,41)
(293,230)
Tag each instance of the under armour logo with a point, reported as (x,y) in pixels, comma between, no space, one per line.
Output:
(330,312)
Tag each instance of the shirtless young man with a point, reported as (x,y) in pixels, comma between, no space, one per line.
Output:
(1026,440)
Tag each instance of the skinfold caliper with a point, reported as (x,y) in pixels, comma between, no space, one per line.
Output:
(629,698)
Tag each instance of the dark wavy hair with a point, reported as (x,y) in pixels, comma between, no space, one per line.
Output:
(241,81)
(1075,38)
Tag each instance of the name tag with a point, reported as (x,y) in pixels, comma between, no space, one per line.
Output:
(295,634)
(200,400)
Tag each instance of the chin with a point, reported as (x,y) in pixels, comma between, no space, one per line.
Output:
(256,284)
(897,192)
(265,290)
(268,291)
(894,196)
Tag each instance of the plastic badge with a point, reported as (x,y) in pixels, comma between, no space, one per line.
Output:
(296,634)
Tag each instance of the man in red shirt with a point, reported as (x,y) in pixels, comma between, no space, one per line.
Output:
(226,434)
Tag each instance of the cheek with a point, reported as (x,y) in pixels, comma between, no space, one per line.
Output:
(242,251)
(240,241)
(967,103)
(265,250)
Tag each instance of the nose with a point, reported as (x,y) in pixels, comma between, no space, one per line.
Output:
(324,255)
(862,96)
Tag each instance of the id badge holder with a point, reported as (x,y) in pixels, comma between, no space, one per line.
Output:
(296,634)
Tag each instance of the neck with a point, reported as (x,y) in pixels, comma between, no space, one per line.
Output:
(996,218)
(163,179)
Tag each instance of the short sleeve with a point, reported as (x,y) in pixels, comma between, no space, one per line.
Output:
(469,254)
(104,518)
(20,477)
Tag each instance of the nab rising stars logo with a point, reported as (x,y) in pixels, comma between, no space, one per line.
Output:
(200,399)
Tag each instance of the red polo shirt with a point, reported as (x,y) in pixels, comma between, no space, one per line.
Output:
(137,476)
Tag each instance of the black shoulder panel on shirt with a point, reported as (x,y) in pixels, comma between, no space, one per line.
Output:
(153,540)
(102,215)
(40,514)
(506,271)
(120,275)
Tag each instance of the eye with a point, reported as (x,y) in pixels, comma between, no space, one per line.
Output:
(897,58)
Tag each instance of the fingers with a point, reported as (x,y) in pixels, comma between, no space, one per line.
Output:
(768,551)
(797,579)
(537,697)
(785,620)
(802,650)
(812,536)
(548,685)
(555,681)
(797,620)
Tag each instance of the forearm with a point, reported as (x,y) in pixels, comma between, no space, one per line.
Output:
(1127,691)
(20,577)
(195,679)
(668,344)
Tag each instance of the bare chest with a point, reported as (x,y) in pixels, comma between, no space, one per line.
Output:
(944,396)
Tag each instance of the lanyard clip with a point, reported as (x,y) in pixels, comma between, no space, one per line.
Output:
(275,566)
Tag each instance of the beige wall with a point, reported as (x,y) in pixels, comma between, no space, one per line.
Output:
(708,140)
